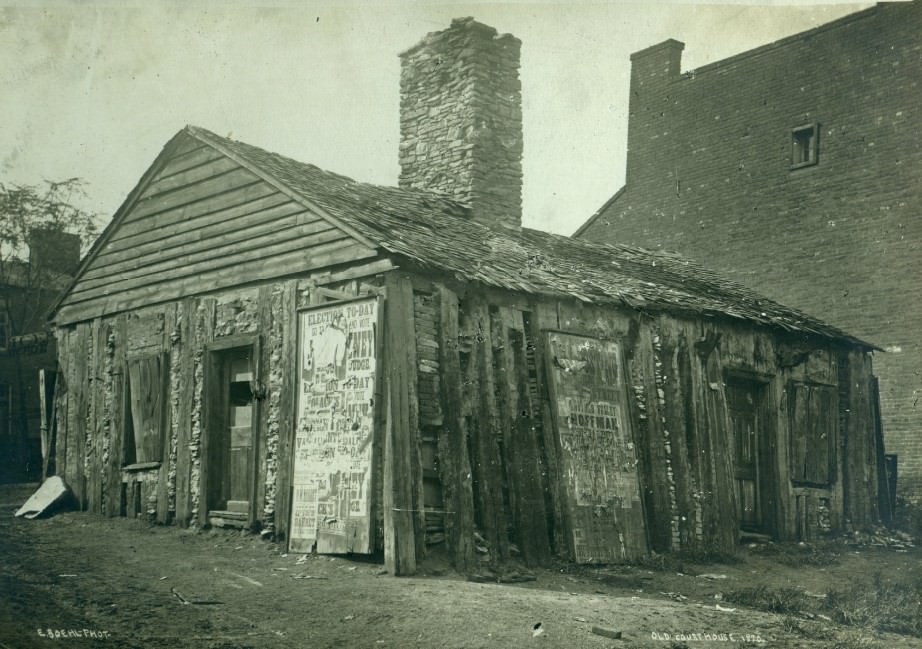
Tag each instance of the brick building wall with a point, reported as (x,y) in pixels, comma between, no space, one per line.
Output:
(710,174)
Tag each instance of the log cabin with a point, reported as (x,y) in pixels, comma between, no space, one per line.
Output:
(255,342)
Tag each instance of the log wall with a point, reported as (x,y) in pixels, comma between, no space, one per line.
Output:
(475,449)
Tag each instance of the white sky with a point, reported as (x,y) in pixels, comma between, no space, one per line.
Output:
(96,90)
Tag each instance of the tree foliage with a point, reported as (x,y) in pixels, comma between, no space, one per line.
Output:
(26,210)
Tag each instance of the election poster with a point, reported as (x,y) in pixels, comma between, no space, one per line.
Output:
(331,504)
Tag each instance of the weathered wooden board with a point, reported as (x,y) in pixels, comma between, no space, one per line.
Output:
(146,403)
(454,465)
(288,367)
(486,459)
(331,509)
(184,413)
(255,267)
(589,403)
(526,488)
(276,242)
(197,236)
(402,494)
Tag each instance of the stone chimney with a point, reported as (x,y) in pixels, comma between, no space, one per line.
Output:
(461,120)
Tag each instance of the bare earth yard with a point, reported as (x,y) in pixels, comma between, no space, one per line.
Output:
(73,576)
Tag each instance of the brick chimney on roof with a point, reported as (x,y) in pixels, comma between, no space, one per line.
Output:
(461,120)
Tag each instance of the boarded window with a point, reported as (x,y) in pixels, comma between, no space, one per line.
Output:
(145,392)
(813,418)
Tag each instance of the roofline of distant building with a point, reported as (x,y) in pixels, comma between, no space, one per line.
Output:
(787,40)
(599,212)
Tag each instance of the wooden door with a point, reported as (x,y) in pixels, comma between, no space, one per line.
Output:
(595,447)
(744,404)
(230,472)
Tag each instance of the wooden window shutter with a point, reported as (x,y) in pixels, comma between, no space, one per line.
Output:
(146,378)
(813,420)
(798,398)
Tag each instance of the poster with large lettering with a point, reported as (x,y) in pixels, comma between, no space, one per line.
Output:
(331,504)
(597,456)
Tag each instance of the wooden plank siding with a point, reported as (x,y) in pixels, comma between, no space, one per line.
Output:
(203,223)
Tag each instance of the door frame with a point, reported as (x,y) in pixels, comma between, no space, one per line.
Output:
(214,354)
(768,489)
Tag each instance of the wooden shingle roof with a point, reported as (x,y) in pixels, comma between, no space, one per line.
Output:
(436,232)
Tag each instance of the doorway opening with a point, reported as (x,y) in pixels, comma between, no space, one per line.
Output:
(753,451)
(231,436)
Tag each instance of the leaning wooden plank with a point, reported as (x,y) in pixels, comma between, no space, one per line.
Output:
(52,492)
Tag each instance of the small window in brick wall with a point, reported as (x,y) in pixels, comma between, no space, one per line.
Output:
(145,409)
(813,420)
(804,146)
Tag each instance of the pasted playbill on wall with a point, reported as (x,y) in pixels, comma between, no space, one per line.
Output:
(589,401)
(335,428)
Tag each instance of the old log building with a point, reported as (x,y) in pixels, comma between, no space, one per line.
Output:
(256,342)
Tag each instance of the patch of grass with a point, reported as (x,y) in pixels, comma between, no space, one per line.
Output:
(708,557)
(908,517)
(887,605)
(796,555)
(883,604)
(660,563)
(678,561)
(775,600)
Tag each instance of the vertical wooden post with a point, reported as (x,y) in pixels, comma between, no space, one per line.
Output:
(523,467)
(454,462)
(184,412)
(43,413)
(77,444)
(62,402)
(481,395)
(399,489)
(116,428)
(288,318)
(163,479)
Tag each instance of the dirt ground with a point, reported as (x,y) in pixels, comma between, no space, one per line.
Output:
(73,576)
